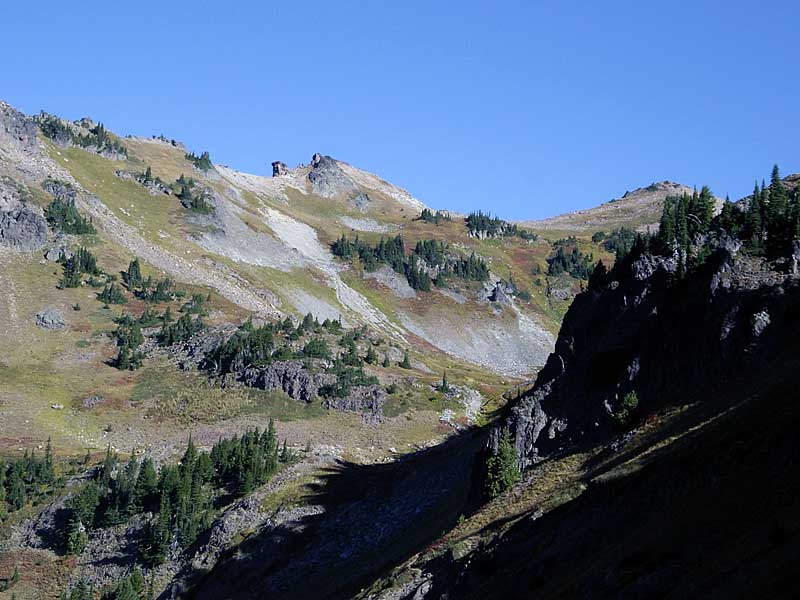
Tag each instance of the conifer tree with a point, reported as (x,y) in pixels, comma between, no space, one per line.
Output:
(371,357)
(666,229)
(753,222)
(779,227)
(502,469)
(727,219)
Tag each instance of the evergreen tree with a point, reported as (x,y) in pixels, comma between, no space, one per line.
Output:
(779,226)
(146,487)
(2,491)
(155,545)
(371,358)
(598,278)
(405,363)
(753,223)
(502,469)
(133,276)
(682,234)
(705,208)
(16,488)
(727,218)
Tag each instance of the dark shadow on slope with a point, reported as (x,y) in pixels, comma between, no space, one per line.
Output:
(373,517)
(717,514)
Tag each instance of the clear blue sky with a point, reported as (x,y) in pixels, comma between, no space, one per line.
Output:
(526,109)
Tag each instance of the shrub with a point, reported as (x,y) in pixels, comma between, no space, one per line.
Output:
(623,415)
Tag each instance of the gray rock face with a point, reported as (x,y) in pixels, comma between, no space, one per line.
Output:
(759,322)
(367,400)
(59,190)
(279,168)
(398,284)
(12,194)
(23,229)
(50,318)
(501,293)
(293,379)
(58,250)
(289,376)
(16,129)
(667,342)
(327,178)
(360,201)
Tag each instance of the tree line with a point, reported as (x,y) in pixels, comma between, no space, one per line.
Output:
(483,224)
(392,252)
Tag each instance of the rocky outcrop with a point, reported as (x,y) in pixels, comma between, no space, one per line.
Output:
(668,342)
(360,201)
(58,249)
(16,129)
(288,376)
(23,229)
(397,284)
(367,400)
(328,180)
(501,292)
(50,318)
(154,186)
(293,379)
(279,168)
(60,190)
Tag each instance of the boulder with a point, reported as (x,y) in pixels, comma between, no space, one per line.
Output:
(58,250)
(50,318)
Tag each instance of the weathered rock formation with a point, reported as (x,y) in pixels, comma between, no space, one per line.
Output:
(23,229)
(367,400)
(327,178)
(279,168)
(288,376)
(60,190)
(58,249)
(669,342)
(16,130)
